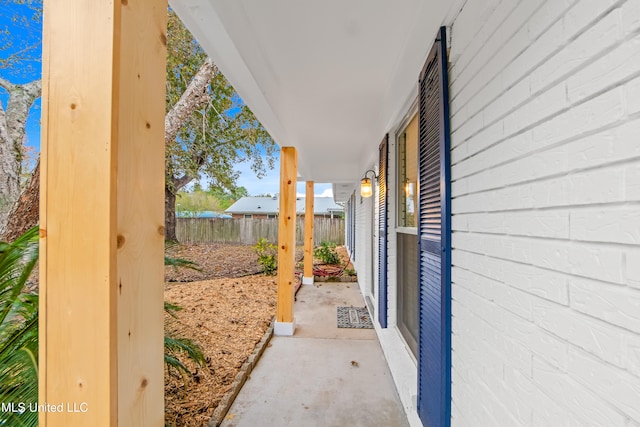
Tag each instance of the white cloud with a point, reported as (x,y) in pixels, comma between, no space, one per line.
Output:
(328,192)
(270,183)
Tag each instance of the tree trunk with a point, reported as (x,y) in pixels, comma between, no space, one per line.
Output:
(170,191)
(25,212)
(12,133)
(195,96)
(170,215)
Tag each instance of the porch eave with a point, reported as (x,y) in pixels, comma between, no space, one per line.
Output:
(323,78)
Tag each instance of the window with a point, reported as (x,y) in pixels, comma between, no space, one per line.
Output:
(408,174)
(407,260)
(248,215)
(271,216)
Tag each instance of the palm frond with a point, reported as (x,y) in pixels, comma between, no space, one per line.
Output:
(18,331)
(174,346)
(171,309)
(178,262)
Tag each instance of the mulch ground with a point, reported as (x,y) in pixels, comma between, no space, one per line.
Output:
(214,261)
(227,307)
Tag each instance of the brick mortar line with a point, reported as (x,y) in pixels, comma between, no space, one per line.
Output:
(241,377)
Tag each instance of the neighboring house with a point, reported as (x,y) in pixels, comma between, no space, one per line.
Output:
(267,207)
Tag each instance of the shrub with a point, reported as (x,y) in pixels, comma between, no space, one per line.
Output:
(327,253)
(267,256)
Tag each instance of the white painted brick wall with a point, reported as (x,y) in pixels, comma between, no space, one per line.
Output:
(545,103)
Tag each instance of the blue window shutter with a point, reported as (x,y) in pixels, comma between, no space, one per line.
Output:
(434,229)
(382,231)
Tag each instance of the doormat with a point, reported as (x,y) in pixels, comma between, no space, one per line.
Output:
(354,317)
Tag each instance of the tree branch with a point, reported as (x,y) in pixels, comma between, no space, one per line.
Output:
(6,85)
(193,98)
(4,132)
(178,183)
(33,89)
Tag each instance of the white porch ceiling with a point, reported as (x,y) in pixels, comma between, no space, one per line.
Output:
(328,77)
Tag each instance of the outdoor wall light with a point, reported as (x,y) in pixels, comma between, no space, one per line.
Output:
(408,188)
(366,190)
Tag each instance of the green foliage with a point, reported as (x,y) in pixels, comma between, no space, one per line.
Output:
(174,347)
(327,253)
(267,256)
(220,135)
(191,203)
(18,329)
(349,272)
(227,197)
(170,261)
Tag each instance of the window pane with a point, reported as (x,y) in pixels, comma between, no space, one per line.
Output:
(408,315)
(408,174)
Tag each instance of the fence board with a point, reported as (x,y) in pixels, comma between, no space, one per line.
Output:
(250,230)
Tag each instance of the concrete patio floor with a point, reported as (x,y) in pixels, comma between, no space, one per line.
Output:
(323,375)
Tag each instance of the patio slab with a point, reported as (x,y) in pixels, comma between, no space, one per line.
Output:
(323,375)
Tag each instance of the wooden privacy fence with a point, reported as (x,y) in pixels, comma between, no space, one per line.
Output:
(249,230)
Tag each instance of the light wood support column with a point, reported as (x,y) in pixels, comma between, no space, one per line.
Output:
(286,241)
(309,216)
(101,213)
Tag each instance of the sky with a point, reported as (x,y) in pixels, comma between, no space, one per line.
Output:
(270,184)
(21,34)
(33,32)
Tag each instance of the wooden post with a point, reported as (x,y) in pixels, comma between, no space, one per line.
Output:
(307,277)
(101,213)
(286,241)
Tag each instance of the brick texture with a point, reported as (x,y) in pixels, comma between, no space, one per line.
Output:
(545,105)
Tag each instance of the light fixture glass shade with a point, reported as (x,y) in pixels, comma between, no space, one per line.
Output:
(365,187)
